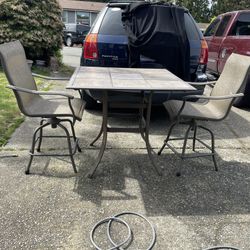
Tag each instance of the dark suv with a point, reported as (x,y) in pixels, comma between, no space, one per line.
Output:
(74,33)
(107,45)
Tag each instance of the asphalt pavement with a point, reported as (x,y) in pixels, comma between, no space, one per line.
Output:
(71,55)
(53,208)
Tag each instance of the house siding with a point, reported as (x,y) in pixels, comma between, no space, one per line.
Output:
(80,11)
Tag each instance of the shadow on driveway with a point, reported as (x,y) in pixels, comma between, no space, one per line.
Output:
(198,191)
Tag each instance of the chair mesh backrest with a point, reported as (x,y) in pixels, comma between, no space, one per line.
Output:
(232,80)
(17,71)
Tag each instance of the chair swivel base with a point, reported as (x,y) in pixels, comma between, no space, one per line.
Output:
(183,155)
(54,122)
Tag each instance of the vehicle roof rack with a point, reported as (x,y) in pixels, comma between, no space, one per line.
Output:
(122,3)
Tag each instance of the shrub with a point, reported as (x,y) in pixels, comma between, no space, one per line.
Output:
(36,23)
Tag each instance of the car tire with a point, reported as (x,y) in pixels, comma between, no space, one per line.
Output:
(69,41)
(244,101)
(239,102)
(90,102)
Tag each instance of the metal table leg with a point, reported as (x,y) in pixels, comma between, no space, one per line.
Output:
(98,136)
(146,137)
(141,116)
(103,132)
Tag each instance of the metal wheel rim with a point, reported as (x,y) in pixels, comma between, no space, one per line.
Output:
(68,41)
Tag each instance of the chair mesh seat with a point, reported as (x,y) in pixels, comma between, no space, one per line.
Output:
(195,110)
(56,107)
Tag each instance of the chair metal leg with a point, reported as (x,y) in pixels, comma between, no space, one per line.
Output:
(27,171)
(167,138)
(194,138)
(178,173)
(215,163)
(212,147)
(185,140)
(38,149)
(74,135)
(69,146)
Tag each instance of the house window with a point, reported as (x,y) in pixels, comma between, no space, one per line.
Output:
(82,17)
(71,17)
(92,17)
(64,16)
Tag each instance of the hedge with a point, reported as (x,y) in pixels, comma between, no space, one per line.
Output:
(36,23)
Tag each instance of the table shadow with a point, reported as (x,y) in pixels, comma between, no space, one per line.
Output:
(198,191)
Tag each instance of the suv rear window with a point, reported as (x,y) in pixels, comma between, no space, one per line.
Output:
(111,24)
(191,28)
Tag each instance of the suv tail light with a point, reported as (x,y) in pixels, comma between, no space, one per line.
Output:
(204,52)
(90,47)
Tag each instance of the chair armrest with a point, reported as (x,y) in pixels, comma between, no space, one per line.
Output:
(55,78)
(212,97)
(202,83)
(60,93)
(36,92)
(51,78)
(185,98)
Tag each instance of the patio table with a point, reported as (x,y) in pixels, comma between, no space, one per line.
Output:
(144,81)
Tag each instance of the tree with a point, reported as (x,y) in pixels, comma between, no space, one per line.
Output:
(222,6)
(198,8)
(36,23)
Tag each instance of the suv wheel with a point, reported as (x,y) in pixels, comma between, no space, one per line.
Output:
(90,102)
(69,42)
(242,102)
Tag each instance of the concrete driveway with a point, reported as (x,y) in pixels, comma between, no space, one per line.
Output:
(53,208)
(71,55)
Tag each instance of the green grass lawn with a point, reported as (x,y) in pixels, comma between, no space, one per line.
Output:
(10,116)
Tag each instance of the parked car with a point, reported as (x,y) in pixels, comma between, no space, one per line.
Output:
(107,45)
(229,33)
(74,33)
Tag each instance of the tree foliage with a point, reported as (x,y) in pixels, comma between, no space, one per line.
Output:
(36,23)
(203,10)
(222,6)
(198,8)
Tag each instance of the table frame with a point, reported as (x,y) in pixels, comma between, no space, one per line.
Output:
(143,130)
(143,81)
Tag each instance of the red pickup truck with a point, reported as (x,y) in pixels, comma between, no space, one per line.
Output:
(228,33)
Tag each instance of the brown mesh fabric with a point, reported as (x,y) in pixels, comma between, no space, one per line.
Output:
(233,77)
(231,81)
(18,72)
